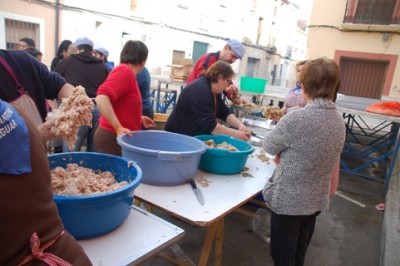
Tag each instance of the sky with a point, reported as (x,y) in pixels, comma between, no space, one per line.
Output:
(305,6)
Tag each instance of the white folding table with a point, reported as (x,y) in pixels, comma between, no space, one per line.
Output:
(223,195)
(141,236)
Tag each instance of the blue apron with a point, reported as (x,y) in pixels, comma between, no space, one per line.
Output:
(14,142)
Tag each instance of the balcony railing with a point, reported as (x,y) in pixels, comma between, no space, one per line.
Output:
(377,12)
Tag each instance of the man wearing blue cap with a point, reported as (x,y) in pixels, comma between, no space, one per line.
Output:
(232,51)
(102,53)
(83,68)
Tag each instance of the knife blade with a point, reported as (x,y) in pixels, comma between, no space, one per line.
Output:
(257,135)
(197,192)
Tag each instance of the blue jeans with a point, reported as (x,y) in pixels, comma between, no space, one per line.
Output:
(86,133)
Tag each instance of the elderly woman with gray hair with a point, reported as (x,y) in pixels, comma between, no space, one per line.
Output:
(307,144)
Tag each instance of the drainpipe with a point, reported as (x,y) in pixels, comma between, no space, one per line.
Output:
(259,30)
(57,24)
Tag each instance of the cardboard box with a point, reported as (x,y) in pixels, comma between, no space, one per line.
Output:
(160,120)
(177,57)
(181,71)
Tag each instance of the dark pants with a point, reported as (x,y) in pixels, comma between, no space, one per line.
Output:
(290,237)
(106,142)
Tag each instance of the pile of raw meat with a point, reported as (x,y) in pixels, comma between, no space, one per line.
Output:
(75,180)
(73,112)
(273,112)
(224,145)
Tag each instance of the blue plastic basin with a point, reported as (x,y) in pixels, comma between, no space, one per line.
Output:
(221,161)
(98,214)
(166,158)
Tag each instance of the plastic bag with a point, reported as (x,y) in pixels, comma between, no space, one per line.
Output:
(261,224)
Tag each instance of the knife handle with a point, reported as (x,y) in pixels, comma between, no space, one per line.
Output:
(193,183)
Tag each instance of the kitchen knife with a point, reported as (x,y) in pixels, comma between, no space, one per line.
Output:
(197,192)
(252,133)
(257,135)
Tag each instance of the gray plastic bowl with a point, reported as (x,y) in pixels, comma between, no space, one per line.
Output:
(166,158)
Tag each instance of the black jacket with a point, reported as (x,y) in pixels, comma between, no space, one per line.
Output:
(85,70)
(34,76)
(197,111)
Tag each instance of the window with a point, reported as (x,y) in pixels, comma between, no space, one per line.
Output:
(16,30)
(289,51)
(302,24)
(378,12)
(253,67)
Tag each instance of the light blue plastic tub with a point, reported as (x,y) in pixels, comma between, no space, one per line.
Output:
(166,158)
(221,161)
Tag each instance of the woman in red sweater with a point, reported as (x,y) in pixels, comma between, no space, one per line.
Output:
(119,100)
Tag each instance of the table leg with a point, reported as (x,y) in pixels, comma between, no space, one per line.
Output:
(173,260)
(173,99)
(364,142)
(219,241)
(205,251)
(169,98)
(392,164)
(138,203)
(158,97)
(215,233)
(153,98)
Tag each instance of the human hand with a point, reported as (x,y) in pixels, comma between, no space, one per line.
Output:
(273,113)
(121,130)
(232,92)
(148,122)
(334,180)
(277,159)
(242,101)
(284,110)
(275,117)
(243,135)
(243,128)
(45,129)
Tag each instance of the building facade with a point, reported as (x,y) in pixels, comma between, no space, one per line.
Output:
(270,30)
(363,36)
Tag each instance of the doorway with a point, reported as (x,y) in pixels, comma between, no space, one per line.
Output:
(362,77)
(199,49)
